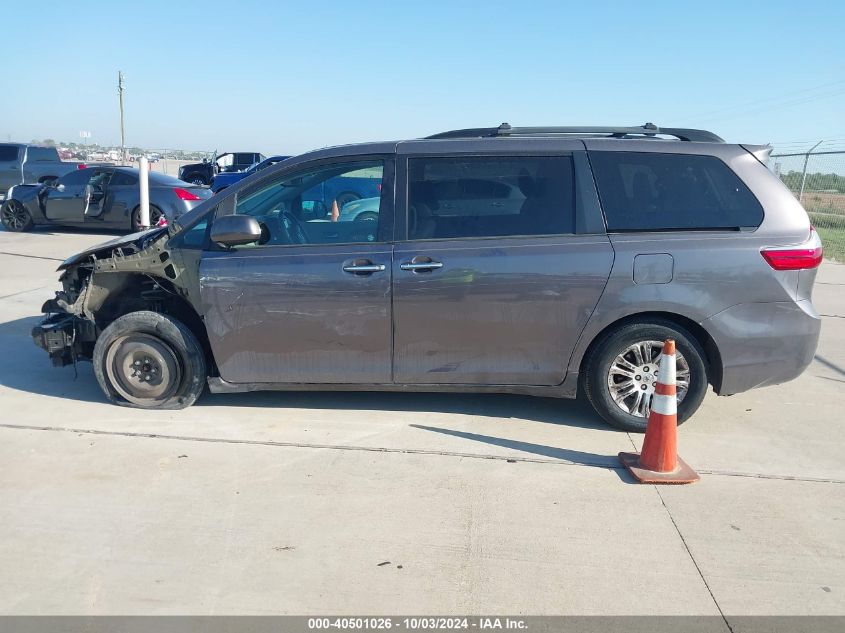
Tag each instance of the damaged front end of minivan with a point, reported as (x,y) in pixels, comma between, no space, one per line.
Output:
(135,272)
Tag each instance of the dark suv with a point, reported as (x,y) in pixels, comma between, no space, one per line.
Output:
(229,162)
(523,260)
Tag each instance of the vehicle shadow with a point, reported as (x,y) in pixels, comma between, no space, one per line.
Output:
(25,367)
(575,413)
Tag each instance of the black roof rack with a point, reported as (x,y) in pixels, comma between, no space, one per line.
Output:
(649,130)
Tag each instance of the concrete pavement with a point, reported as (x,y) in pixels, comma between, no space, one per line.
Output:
(311,502)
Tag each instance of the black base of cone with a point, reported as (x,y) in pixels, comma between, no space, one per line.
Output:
(683,474)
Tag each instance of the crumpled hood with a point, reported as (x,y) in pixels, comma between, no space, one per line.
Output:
(105,250)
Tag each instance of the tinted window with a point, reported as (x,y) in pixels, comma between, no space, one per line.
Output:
(8,153)
(122,178)
(490,196)
(339,203)
(77,177)
(645,192)
(44,154)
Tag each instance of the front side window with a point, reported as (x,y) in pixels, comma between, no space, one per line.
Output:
(338,203)
(642,191)
(490,196)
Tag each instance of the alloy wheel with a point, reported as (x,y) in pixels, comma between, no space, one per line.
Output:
(633,375)
(15,216)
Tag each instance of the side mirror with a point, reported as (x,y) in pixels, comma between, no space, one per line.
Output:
(235,230)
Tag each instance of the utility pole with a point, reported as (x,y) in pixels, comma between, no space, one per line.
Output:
(122,136)
(804,171)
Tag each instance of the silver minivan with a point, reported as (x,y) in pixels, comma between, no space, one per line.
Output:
(542,261)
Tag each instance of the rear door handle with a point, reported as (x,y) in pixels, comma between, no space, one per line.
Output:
(364,269)
(420,266)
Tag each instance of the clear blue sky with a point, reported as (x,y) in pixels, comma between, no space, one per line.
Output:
(285,77)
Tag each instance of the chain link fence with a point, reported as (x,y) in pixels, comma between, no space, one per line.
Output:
(817,178)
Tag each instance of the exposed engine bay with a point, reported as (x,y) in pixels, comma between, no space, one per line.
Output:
(135,272)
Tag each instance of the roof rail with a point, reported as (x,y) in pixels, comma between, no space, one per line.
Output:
(649,130)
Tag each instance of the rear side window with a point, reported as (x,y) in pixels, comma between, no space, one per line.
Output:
(42,154)
(122,178)
(8,153)
(490,196)
(657,192)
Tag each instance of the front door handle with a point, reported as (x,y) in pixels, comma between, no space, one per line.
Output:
(364,268)
(421,266)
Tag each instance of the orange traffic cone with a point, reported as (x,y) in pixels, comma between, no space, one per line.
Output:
(335,211)
(659,462)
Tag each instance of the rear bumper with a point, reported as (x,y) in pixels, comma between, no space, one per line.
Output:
(763,343)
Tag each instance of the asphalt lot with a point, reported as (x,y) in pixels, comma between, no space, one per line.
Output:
(357,503)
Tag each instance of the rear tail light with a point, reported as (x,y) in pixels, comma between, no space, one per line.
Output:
(162,221)
(184,194)
(799,257)
(81,165)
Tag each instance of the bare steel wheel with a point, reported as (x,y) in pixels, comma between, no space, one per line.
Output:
(142,367)
(149,360)
(15,216)
(633,374)
(620,371)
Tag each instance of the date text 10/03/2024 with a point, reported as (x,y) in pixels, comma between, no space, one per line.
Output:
(417,623)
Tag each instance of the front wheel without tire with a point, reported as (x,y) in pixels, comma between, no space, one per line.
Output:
(151,361)
(621,371)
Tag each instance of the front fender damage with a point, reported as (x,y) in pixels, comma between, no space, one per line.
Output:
(141,272)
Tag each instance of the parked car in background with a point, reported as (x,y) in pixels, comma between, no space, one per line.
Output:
(22,163)
(363,209)
(541,261)
(226,179)
(344,190)
(107,197)
(202,173)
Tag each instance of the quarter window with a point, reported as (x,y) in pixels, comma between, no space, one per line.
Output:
(339,203)
(491,196)
(656,192)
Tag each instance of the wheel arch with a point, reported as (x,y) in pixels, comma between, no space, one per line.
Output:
(713,358)
(131,292)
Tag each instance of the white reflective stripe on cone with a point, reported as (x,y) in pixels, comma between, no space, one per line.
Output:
(664,405)
(666,371)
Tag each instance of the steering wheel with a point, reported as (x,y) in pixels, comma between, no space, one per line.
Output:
(293,227)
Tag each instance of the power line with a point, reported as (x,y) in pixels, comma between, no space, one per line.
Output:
(757,102)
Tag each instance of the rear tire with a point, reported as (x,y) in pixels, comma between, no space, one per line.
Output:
(15,217)
(155,215)
(601,372)
(149,361)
